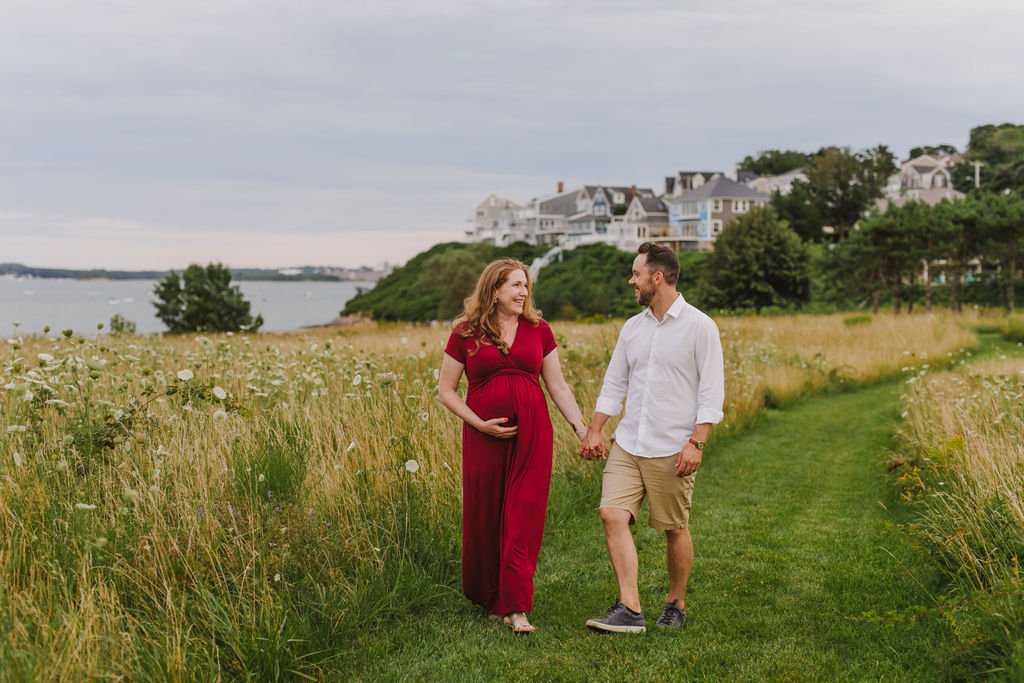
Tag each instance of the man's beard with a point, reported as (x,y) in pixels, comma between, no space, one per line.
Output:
(644,297)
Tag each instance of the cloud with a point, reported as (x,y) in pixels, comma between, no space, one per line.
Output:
(327,118)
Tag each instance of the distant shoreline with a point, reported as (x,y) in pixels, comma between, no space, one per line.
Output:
(17,271)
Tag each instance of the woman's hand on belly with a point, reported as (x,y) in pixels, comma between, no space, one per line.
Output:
(493,427)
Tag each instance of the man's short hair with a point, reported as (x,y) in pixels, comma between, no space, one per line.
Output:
(663,259)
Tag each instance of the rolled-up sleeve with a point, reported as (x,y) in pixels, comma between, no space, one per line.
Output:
(711,369)
(616,381)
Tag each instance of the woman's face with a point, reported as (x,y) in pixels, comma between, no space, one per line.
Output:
(512,294)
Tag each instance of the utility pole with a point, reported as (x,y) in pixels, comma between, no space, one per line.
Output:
(977,174)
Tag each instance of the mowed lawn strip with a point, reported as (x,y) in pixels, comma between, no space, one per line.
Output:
(799,575)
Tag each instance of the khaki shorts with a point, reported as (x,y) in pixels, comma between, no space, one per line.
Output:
(628,478)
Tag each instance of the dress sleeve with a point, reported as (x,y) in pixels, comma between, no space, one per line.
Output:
(547,338)
(456,348)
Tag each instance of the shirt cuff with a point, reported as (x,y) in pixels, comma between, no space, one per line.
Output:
(609,407)
(709,416)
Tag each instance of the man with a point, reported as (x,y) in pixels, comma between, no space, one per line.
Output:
(667,365)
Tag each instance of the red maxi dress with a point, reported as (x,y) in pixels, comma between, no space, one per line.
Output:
(505,482)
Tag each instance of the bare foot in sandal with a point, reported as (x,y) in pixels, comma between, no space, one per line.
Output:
(519,624)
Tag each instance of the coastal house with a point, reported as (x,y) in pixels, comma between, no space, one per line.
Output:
(696,217)
(494,220)
(645,219)
(685,181)
(781,183)
(579,214)
(925,178)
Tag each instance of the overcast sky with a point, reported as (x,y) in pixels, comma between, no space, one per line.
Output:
(152,134)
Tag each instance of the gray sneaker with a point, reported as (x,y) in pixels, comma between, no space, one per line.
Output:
(620,619)
(672,616)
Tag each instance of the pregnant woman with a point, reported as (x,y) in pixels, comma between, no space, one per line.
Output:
(503,347)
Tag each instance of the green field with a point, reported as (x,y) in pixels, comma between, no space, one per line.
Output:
(285,507)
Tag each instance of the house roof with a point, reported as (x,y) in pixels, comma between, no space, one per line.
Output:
(722,187)
(706,174)
(626,191)
(563,204)
(652,205)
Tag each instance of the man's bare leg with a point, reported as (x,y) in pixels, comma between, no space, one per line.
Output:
(680,561)
(622,553)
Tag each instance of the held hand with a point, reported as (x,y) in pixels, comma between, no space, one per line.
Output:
(493,428)
(688,460)
(592,446)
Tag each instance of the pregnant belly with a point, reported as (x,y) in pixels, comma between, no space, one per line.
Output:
(504,397)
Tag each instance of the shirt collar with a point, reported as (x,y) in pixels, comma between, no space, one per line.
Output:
(675,310)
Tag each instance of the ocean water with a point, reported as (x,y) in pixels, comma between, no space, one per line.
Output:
(82,304)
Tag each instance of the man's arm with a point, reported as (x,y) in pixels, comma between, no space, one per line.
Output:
(710,398)
(609,402)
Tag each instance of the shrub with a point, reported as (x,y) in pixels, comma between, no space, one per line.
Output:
(203,300)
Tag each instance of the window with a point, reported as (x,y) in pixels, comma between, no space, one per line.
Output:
(716,227)
(740,205)
(716,205)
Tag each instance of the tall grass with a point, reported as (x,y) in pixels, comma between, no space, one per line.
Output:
(245,504)
(964,433)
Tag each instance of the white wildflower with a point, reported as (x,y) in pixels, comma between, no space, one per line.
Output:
(351,447)
(277,577)
(261,478)
(85,506)
(412,466)
(437,374)
(185,375)
(18,462)
(425,416)
(357,380)
(220,393)
(220,415)
(16,428)
(45,357)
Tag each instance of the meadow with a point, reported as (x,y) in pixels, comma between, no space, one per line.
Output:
(243,506)
(961,468)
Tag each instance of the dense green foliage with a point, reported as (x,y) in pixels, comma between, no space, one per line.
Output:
(841,185)
(594,280)
(203,300)
(889,253)
(758,262)
(1000,150)
(774,161)
(432,285)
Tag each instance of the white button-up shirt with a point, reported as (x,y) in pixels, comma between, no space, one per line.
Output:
(671,375)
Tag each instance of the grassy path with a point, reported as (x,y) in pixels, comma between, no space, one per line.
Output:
(799,575)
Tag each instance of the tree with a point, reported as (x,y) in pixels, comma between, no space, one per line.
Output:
(1002,239)
(841,186)
(874,258)
(934,150)
(203,300)
(415,292)
(1000,150)
(759,261)
(452,275)
(774,162)
(590,280)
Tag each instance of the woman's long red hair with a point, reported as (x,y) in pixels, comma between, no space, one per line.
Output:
(479,316)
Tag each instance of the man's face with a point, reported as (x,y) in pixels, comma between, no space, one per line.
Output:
(642,281)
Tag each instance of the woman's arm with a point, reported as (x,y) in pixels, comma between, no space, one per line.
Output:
(448,394)
(561,394)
